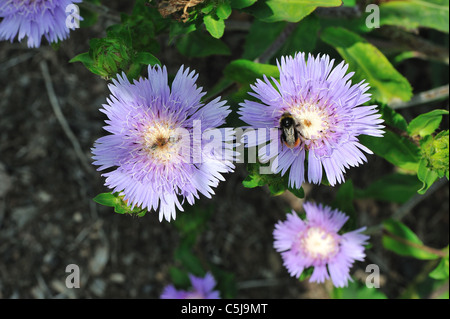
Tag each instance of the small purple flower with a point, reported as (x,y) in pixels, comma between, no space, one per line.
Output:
(202,288)
(34,19)
(154,163)
(328,116)
(315,242)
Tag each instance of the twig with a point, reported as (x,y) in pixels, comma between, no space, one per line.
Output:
(408,206)
(409,243)
(428,49)
(102,10)
(60,117)
(429,96)
(417,198)
(16,60)
(259,283)
(277,44)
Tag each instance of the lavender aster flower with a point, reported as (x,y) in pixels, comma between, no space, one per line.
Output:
(34,19)
(202,288)
(328,116)
(315,242)
(149,147)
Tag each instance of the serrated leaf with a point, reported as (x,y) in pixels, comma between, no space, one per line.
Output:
(369,64)
(427,123)
(416,13)
(215,27)
(403,241)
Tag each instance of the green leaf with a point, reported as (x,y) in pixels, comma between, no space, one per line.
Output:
(179,278)
(416,13)
(215,27)
(306,273)
(198,44)
(344,202)
(240,4)
(395,188)
(288,10)
(223,10)
(191,262)
(427,123)
(426,175)
(357,290)
(442,269)
(369,64)
(179,29)
(260,36)
(434,163)
(116,201)
(398,150)
(146,58)
(300,193)
(402,240)
(277,184)
(84,58)
(226,282)
(392,118)
(246,72)
(106,199)
(208,8)
(303,38)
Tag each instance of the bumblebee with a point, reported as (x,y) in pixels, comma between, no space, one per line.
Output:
(289,135)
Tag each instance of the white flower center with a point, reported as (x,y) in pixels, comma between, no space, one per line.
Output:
(317,243)
(313,121)
(162,142)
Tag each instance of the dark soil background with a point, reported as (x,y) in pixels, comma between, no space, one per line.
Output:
(48,219)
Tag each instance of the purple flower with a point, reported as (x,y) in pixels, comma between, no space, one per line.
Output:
(154,163)
(202,288)
(327,114)
(315,242)
(34,19)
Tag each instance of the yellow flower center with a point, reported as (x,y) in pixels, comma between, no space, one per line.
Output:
(162,142)
(313,122)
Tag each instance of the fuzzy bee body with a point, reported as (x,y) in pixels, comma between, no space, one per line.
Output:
(289,135)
